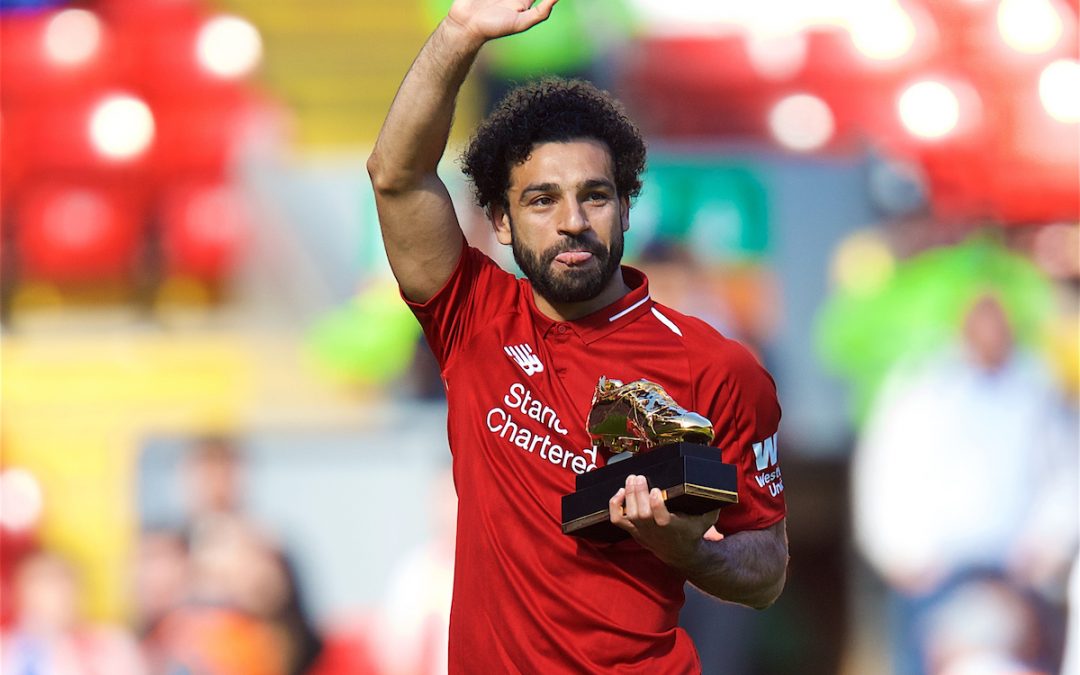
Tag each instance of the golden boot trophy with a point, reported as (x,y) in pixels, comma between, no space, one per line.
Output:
(658,439)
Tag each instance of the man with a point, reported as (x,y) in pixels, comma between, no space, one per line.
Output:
(555,167)
(983,426)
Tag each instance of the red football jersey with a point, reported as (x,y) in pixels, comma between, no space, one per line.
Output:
(528,598)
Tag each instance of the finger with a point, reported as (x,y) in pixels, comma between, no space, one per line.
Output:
(712,534)
(631,505)
(641,494)
(616,511)
(660,513)
(637,499)
(536,14)
(543,8)
(616,505)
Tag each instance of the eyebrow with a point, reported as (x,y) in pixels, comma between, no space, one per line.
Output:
(541,187)
(555,187)
(597,183)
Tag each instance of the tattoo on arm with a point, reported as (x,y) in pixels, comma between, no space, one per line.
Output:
(748,567)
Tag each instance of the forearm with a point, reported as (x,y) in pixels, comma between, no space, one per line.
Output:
(414,136)
(748,568)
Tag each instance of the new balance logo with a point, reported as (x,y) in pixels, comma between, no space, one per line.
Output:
(765,452)
(524,357)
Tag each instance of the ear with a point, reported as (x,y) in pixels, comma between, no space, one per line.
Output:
(500,222)
(624,213)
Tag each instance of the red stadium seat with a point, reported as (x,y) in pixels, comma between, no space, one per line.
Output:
(49,60)
(204,231)
(76,233)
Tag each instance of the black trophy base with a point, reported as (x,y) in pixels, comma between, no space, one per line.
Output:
(691,477)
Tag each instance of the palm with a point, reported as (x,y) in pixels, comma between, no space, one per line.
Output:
(496,18)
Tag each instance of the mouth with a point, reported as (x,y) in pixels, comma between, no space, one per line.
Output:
(573,258)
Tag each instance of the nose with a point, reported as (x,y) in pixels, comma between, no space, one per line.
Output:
(575,221)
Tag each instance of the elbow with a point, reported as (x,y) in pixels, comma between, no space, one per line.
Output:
(769,593)
(389,180)
(774,577)
(759,591)
(374,165)
(381,178)
(770,584)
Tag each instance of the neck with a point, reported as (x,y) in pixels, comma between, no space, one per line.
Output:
(569,311)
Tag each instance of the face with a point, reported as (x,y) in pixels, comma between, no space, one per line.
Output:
(565,220)
(988,334)
(47,593)
(213,480)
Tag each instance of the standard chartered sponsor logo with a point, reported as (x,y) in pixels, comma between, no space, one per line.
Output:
(508,424)
(520,398)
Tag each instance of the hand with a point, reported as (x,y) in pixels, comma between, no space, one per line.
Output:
(672,537)
(490,19)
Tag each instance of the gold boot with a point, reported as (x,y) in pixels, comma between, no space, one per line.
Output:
(639,416)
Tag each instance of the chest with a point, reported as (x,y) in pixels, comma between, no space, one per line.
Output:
(542,378)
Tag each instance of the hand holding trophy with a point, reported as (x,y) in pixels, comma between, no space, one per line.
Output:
(669,447)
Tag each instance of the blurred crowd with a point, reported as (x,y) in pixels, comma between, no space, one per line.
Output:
(965,494)
(213,594)
(218,594)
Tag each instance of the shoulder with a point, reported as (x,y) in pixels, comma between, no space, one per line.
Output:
(476,276)
(727,378)
(709,349)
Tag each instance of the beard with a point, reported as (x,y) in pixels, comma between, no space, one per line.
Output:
(577,283)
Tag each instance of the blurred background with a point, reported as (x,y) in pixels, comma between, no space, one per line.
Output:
(223,440)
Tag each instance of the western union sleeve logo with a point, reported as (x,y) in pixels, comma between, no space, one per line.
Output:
(765,454)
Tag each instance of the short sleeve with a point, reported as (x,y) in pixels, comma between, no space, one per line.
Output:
(470,299)
(740,397)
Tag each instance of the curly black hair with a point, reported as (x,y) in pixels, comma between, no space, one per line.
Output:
(550,110)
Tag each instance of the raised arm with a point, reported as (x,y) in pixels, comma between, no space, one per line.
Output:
(420,230)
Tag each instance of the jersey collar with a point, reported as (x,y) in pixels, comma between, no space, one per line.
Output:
(592,327)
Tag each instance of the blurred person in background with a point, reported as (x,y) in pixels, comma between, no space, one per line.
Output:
(675,278)
(213,477)
(967,463)
(240,609)
(415,617)
(556,166)
(161,576)
(1071,661)
(243,614)
(50,637)
(984,625)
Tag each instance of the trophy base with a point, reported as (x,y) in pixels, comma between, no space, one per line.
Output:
(691,478)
